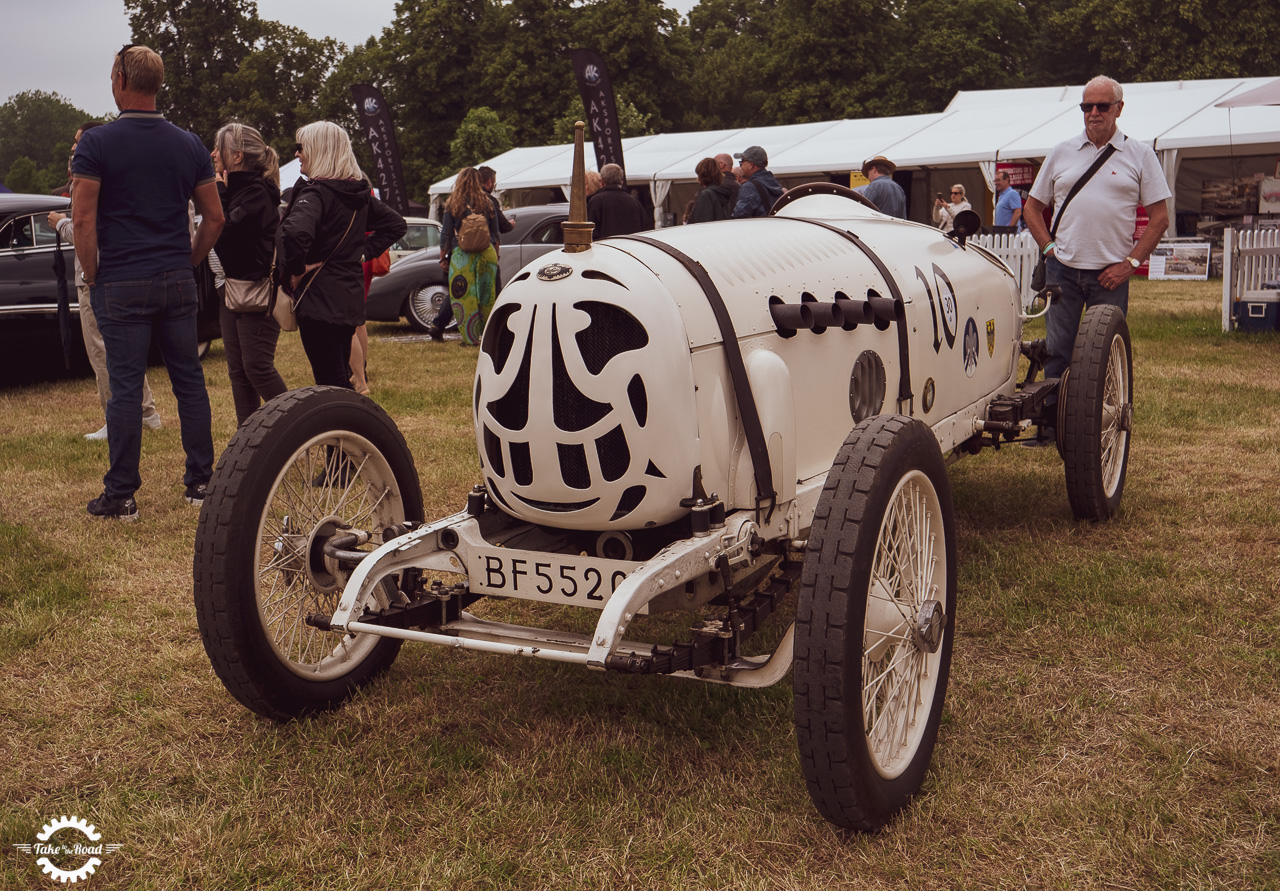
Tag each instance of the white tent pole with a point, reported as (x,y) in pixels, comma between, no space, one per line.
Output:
(1169,162)
(988,169)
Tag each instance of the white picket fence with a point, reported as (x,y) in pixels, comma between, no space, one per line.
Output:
(1249,258)
(1019,253)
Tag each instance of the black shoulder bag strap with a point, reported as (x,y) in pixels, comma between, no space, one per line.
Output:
(1080,183)
(1038,276)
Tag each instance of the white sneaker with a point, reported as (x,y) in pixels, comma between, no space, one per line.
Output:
(152,422)
(97,434)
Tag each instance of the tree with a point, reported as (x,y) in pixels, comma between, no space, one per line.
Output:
(203,44)
(427,65)
(630,121)
(277,86)
(729,39)
(481,135)
(958,45)
(526,73)
(828,59)
(22,176)
(38,126)
(1141,40)
(647,51)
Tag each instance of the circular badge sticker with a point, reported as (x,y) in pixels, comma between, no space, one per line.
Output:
(554,272)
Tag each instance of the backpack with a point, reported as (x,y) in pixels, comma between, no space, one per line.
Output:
(473,234)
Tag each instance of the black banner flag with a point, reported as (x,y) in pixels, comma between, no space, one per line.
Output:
(596,88)
(375,121)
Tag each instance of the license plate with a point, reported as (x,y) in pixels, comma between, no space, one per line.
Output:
(551,578)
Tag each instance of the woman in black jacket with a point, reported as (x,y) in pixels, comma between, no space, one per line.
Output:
(249,185)
(712,203)
(323,241)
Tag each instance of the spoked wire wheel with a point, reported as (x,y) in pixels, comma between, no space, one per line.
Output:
(1115,427)
(336,480)
(1096,414)
(900,677)
(309,465)
(874,622)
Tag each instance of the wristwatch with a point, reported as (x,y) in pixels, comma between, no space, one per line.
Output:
(83,279)
(1132,262)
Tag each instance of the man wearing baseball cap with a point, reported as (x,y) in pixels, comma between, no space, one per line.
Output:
(887,195)
(759,189)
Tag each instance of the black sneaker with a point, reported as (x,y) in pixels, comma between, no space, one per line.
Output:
(436,333)
(114,508)
(195,494)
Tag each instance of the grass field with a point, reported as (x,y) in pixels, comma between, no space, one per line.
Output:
(1112,720)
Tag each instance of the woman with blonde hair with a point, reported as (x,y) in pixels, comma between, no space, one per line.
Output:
(472,274)
(331,225)
(944,213)
(249,185)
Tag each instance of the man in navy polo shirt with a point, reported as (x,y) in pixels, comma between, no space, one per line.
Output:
(133,179)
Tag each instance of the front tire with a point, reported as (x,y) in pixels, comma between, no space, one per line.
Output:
(307,463)
(424,305)
(1097,414)
(874,623)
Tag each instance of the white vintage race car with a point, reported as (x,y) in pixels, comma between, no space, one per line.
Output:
(689,419)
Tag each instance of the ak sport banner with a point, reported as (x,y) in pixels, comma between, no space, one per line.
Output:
(596,88)
(375,122)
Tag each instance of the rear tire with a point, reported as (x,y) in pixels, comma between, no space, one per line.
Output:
(1097,414)
(874,623)
(306,462)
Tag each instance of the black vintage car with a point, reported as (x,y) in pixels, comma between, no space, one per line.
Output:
(29,282)
(415,286)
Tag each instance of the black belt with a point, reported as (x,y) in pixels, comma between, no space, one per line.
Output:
(737,372)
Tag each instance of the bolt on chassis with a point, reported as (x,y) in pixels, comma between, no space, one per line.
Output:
(694,419)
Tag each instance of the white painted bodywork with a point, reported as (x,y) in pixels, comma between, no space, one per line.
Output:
(800,384)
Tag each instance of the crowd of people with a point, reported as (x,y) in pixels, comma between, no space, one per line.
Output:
(137,186)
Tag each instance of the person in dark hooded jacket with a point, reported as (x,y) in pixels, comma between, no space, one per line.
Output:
(249,186)
(714,201)
(331,225)
(759,190)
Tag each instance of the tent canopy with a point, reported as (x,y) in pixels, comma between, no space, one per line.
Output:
(1267,94)
(1184,118)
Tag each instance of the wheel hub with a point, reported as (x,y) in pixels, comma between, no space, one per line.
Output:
(322,569)
(930,623)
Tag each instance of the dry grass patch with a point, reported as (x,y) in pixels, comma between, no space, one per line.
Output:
(1111,720)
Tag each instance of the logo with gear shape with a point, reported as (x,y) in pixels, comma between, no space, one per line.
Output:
(68,849)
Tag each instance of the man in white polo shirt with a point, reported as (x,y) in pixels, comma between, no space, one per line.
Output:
(1092,254)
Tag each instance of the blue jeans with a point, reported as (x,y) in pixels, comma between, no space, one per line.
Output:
(129,315)
(1080,290)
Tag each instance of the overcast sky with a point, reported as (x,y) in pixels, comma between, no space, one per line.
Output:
(66,46)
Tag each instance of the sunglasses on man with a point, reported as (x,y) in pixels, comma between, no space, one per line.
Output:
(1103,107)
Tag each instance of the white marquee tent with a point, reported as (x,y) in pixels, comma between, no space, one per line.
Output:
(1194,137)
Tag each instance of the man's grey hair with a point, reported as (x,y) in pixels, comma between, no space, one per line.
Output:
(1117,91)
(612,175)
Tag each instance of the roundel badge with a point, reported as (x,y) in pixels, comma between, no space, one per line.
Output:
(553,272)
(591,74)
(370,105)
(970,347)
